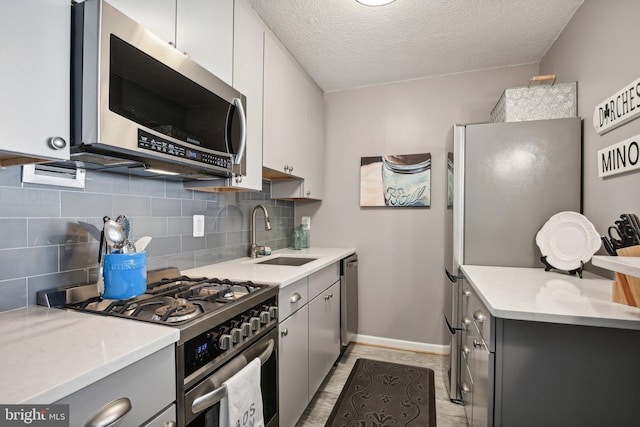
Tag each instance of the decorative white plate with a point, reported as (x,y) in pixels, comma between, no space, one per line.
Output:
(566,239)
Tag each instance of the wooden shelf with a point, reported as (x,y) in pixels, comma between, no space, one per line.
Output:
(621,264)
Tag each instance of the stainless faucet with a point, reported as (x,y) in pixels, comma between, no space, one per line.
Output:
(267,226)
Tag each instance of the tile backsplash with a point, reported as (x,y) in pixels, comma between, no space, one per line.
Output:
(43,245)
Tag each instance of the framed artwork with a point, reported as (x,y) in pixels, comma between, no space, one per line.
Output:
(396,180)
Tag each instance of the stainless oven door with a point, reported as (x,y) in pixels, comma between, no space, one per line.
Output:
(202,402)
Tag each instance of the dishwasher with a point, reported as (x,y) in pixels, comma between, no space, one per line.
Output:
(348,300)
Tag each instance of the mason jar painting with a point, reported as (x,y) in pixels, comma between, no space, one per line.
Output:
(396,180)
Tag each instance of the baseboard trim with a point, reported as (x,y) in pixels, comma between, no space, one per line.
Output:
(401,344)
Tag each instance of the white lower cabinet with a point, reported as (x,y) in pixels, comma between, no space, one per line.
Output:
(293,367)
(127,392)
(324,335)
(309,311)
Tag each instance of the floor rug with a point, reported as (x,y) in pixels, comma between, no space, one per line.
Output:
(381,394)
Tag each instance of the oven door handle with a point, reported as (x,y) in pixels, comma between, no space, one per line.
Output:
(207,400)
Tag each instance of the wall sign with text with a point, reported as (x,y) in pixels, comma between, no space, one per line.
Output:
(618,109)
(618,158)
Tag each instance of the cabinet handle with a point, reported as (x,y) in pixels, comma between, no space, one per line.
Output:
(290,169)
(467,293)
(465,322)
(477,343)
(328,296)
(466,349)
(479,316)
(464,387)
(110,413)
(169,424)
(284,332)
(57,143)
(295,298)
(308,193)
(286,168)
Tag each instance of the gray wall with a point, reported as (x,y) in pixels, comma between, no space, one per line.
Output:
(599,50)
(402,292)
(44,247)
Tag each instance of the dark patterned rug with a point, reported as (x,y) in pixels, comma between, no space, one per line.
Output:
(382,394)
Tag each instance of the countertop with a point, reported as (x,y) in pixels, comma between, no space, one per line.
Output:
(546,296)
(280,275)
(49,353)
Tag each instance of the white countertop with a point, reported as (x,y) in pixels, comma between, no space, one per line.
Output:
(547,296)
(280,275)
(49,353)
(623,264)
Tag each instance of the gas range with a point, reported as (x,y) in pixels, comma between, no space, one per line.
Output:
(219,321)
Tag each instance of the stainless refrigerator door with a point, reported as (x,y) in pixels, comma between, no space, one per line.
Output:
(516,176)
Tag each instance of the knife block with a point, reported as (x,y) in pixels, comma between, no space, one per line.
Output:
(626,289)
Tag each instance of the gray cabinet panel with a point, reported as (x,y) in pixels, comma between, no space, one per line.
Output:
(324,335)
(293,367)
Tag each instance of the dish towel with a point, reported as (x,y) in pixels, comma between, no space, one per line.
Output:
(242,406)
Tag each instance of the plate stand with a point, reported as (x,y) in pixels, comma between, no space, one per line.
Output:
(572,272)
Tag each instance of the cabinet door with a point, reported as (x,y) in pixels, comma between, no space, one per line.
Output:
(314,143)
(293,367)
(284,110)
(35,87)
(324,335)
(158,16)
(204,30)
(248,66)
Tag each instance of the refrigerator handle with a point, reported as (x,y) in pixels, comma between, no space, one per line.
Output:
(453,279)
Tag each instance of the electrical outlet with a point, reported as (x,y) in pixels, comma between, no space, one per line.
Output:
(306,220)
(198,225)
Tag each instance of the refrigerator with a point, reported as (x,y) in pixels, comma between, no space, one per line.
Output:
(505,181)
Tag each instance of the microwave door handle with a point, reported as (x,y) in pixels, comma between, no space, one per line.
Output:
(237,103)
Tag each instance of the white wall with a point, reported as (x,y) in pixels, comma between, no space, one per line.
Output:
(599,50)
(403,292)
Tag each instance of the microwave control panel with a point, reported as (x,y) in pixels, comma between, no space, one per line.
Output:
(151,142)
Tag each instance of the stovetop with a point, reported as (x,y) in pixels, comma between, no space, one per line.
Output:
(171,298)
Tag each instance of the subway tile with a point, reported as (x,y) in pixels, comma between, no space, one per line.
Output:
(148,226)
(106,182)
(192,244)
(207,257)
(161,246)
(215,240)
(29,203)
(181,226)
(77,256)
(14,233)
(56,280)
(194,207)
(11,176)
(176,190)
(76,205)
(223,224)
(45,232)
(147,187)
(206,195)
(131,206)
(232,252)
(17,263)
(166,207)
(238,238)
(13,294)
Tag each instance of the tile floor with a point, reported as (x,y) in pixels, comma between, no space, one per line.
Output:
(447,414)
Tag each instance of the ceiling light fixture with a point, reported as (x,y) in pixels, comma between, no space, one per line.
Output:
(375,2)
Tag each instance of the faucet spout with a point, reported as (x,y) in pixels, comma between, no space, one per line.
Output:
(267,226)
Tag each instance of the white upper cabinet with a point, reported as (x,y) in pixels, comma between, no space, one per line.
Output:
(34,81)
(284,111)
(311,187)
(158,16)
(204,31)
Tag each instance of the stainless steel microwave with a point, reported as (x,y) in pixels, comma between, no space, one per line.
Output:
(141,105)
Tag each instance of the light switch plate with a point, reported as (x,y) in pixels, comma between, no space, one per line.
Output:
(198,225)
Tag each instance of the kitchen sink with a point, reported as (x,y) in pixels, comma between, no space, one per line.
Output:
(287,260)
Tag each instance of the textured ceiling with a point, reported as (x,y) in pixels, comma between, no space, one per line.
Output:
(343,44)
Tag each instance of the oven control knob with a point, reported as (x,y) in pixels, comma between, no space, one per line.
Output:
(264,317)
(246,329)
(224,342)
(273,313)
(255,323)
(236,335)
